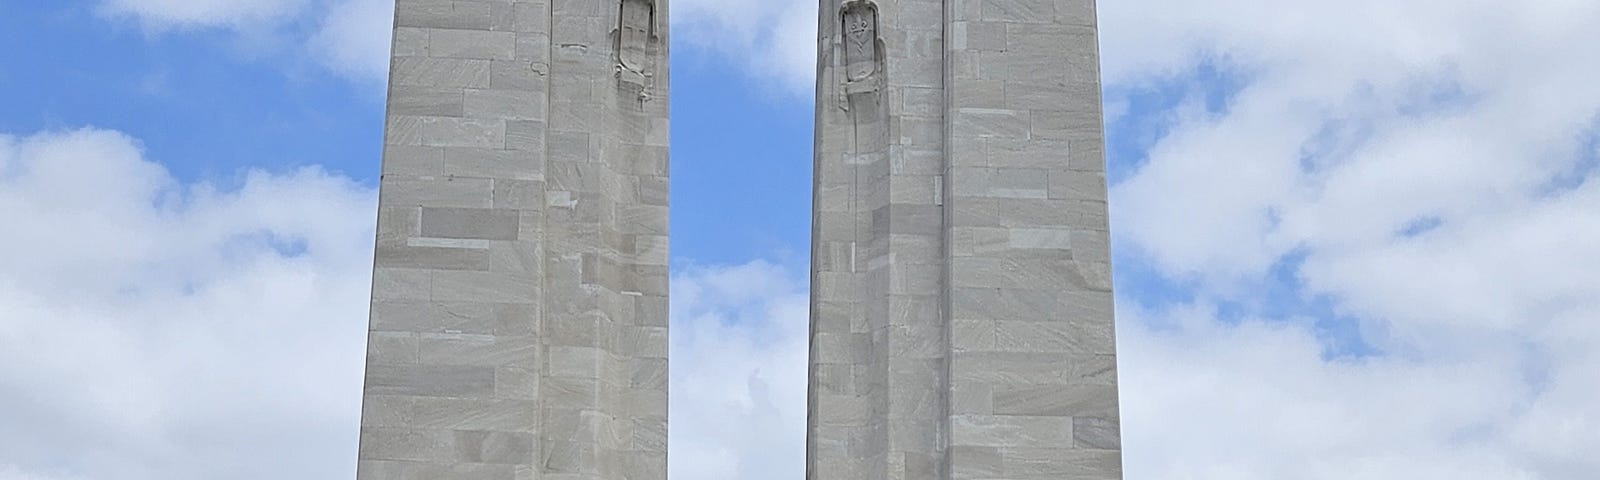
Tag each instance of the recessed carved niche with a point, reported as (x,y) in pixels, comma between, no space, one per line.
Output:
(860,24)
(636,45)
(861,50)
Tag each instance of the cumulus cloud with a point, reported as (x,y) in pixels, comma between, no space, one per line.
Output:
(773,40)
(153,329)
(1425,170)
(355,37)
(350,38)
(739,349)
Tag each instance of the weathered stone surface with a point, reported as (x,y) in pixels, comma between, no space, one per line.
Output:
(519,312)
(961,296)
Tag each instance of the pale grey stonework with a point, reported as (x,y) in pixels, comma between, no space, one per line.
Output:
(519,308)
(961,300)
(962,307)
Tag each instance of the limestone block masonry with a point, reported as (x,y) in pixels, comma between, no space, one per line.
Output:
(519,301)
(961,284)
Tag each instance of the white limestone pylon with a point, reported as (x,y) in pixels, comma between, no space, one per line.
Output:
(962,323)
(519,311)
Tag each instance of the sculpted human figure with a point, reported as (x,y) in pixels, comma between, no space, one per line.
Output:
(635,31)
(860,41)
(862,50)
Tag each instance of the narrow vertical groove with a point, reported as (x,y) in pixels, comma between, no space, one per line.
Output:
(946,206)
(544,192)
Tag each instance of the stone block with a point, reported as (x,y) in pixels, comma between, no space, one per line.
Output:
(491,447)
(470,223)
(1006,431)
(495,163)
(443,14)
(458,349)
(413,161)
(396,348)
(446,131)
(439,72)
(1019,11)
(400,284)
(1096,433)
(1056,400)
(505,104)
(410,42)
(429,380)
(991,123)
(435,258)
(1061,463)
(426,101)
(471,44)
(449,413)
(402,191)
(406,444)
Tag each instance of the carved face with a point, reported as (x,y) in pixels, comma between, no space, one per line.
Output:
(637,23)
(860,41)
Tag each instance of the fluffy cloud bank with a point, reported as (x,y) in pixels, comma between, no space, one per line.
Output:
(155,330)
(1379,218)
(1420,174)
(774,40)
(1417,174)
(739,349)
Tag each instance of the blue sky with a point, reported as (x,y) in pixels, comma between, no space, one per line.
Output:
(187,95)
(211,104)
(1351,238)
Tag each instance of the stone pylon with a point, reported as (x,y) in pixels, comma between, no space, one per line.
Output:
(519,306)
(961,288)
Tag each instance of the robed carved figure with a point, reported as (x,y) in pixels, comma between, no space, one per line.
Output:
(635,34)
(862,52)
(860,41)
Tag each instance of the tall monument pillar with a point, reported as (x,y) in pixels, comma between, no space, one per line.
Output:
(961,288)
(519,305)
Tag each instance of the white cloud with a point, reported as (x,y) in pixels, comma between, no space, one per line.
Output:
(774,40)
(1369,68)
(1334,146)
(739,347)
(151,329)
(1259,401)
(1422,166)
(355,37)
(350,38)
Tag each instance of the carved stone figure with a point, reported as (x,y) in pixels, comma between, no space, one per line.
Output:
(635,32)
(860,41)
(862,52)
